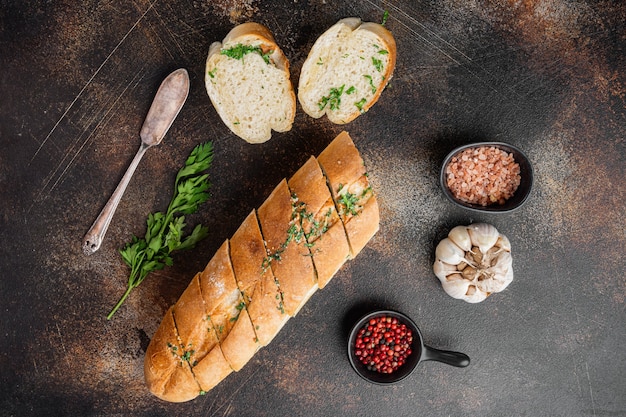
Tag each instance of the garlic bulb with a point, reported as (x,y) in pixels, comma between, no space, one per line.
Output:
(474,262)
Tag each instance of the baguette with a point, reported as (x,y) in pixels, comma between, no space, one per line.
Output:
(275,261)
(346,70)
(248,81)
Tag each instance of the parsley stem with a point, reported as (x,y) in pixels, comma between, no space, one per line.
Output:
(120,302)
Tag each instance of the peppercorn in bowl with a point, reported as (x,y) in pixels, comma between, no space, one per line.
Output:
(490,177)
(385,346)
(382,347)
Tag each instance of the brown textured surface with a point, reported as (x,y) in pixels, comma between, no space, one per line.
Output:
(547,76)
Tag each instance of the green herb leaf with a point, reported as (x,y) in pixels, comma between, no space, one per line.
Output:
(371,81)
(165,233)
(239,51)
(349,201)
(378,64)
(333,99)
(359,104)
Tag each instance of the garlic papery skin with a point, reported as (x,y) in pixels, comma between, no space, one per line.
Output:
(474,295)
(503,243)
(473,272)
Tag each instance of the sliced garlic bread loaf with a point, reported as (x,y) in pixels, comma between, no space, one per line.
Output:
(280,255)
(346,70)
(248,81)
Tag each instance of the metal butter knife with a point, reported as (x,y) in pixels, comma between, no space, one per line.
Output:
(166,105)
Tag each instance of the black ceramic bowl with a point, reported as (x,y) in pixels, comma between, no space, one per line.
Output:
(420,352)
(520,195)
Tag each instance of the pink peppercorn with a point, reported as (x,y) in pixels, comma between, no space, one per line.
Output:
(383,344)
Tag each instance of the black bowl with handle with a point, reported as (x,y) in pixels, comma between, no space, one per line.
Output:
(420,351)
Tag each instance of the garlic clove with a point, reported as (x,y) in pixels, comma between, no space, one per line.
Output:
(503,243)
(498,283)
(501,263)
(508,278)
(476,254)
(454,277)
(483,235)
(469,273)
(442,269)
(449,253)
(460,236)
(502,272)
(456,286)
(474,295)
(491,285)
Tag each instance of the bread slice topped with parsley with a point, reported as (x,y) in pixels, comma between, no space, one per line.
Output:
(248,81)
(346,70)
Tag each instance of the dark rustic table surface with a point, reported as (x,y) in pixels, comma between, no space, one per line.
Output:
(76,81)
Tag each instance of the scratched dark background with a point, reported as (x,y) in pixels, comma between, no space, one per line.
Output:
(76,81)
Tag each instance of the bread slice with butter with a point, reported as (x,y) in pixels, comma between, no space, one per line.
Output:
(248,81)
(346,70)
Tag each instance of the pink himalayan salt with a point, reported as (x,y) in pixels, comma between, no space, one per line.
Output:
(483,175)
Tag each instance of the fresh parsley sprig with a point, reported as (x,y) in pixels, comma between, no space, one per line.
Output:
(165,232)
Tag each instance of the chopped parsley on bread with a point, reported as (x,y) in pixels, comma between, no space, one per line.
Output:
(346,70)
(248,81)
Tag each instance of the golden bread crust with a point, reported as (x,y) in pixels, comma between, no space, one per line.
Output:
(212,369)
(167,374)
(195,332)
(322,226)
(356,203)
(288,255)
(257,284)
(241,342)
